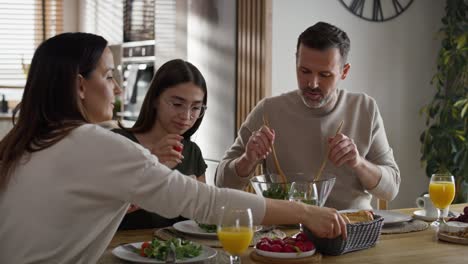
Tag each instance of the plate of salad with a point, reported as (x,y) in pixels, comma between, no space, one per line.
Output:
(155,251)
(191,227)
(194,228)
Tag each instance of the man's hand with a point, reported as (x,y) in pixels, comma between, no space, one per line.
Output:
(169,150)
(343,151)
(259,145)
(257,148)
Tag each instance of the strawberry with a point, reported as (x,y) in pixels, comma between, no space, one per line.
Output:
(301,237)
(308,245)
(301,246)
(264,246)
(278,241)
(288,248)
(178,148)
(266,239)
(289,240)
(276,248)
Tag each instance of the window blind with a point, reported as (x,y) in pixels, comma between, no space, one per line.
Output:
(166,31)
(104,18)
(24,24)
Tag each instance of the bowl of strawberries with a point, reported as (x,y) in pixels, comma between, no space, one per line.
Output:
(298,246)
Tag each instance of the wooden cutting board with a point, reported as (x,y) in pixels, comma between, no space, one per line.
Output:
(316,258)
(452,239)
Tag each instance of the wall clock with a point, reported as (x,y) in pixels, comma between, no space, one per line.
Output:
(377,10)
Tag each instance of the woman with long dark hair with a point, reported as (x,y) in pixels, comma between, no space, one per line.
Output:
(66,183)
(171,113)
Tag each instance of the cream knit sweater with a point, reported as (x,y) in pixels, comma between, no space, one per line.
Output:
(64,203)
(301,143)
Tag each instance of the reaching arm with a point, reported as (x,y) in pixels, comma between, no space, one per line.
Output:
(201,178)
(322,221)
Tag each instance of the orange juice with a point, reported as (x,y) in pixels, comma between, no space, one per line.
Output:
(442,193)
(235,240)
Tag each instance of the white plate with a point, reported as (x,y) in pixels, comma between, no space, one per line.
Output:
(421,215)
(125,254)
(453,239)
(285,255)
(191,227)
(390,217)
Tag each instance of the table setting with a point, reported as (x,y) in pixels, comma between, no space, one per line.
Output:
(381,234)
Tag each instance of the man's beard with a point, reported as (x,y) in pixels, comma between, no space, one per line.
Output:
(316,104)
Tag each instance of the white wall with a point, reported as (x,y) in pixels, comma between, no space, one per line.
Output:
(391,61)
(211,46)
(70,15)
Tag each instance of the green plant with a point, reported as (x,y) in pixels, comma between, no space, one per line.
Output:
(444,142)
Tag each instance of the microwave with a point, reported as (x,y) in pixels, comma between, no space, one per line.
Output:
(138,68)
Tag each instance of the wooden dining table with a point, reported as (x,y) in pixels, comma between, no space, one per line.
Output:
(414,247)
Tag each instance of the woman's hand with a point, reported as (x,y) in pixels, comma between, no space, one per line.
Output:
(169,150)
(132,208)
(324,222)
(201,178)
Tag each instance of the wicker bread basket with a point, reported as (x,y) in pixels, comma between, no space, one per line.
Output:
(360,236)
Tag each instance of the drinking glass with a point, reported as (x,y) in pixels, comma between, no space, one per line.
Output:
(442,193)
(305,192)
(235,231)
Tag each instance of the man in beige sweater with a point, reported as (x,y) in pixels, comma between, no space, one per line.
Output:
(302,126)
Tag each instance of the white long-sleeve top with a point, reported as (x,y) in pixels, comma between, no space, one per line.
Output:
(64,203)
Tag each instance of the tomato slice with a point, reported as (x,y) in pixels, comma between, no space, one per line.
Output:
(145,244)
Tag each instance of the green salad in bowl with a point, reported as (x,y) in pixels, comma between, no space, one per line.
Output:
(277,191)
(273,190)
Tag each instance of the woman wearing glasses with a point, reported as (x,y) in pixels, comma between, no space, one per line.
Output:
(171,113)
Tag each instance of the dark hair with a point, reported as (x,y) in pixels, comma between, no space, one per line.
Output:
(323,36)
(50,107)
(171,73)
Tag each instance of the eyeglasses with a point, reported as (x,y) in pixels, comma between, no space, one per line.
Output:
(195,111)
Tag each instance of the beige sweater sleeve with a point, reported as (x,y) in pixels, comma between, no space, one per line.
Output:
(226,175)
(381,154)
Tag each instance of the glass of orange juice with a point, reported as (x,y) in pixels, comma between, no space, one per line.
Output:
(235,231)
(442,193)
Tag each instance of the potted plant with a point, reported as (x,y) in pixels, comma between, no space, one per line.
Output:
(444,141)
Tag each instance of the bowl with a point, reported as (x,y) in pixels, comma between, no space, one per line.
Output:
(269,186)
(283,255)
(312,192)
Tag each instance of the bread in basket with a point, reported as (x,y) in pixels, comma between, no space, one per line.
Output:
(363,229)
